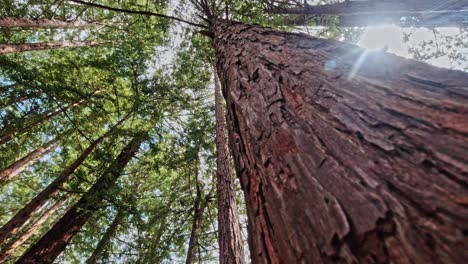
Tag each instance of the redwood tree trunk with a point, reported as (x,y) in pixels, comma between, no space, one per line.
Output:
(373,6)
(41,23)
(432,13)
(198,209)
(54,242)
(7,252)
(402,19)
(231,249)
(17,48)
(110,232)
(344,155)
(16,168)
(23,215)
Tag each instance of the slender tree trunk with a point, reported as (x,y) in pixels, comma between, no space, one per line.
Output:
(110,232)
(17,48)
(4,138)
(373,6)
(41,23)
(448,19)
(16,168)
(402,13)
(198,209)
(54,242)
(231,248)
(7,252)
(23,215)
(344,155)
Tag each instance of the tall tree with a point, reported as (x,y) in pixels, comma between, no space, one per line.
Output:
(231,247)
(34,228)
(23,215)
(41,23)
(47,249)
(106,237)
(199,206)
(344,155)
(16,48)
(20,165)
(418,13)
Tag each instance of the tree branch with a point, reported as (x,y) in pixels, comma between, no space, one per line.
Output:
(146,13)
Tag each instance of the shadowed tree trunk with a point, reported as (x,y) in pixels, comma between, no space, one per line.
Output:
(16,48)
(344,155)
(372,6)
(7,252)
(418,13)
(16,168)
(54,242)
(23,215)
(231,249)
(198,208)
(9,135)
(110,232)
(41,23)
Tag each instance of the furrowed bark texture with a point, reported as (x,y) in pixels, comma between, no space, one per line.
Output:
(31,230)
(432,13)
(16,168)
(373,6)
(41,23)
(231,248)
(54,242)
(402,19)
(106,238)
(344,156)
(16,48)
(14,224)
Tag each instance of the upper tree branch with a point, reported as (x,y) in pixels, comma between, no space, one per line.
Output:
(146,13)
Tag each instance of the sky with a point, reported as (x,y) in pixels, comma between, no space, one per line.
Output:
(392,36)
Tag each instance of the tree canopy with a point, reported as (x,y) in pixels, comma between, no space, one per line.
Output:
(142,69)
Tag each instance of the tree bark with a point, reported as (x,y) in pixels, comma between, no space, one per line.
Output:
(41,23)
(7,252)
(344,155)
(371,13)
(447,19)
(10,172)
(23,215)
(17,48)
(372,6)
(42,119)
(198,209)
(231,248)
(54,242)
(110,232)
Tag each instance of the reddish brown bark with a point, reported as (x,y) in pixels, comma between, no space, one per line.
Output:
(198,208)
(41,23)
(54,242)
(8,251)
(16,48)
(344,156)
(231,248)
(23,215)
(373,6)
(425,13)
(16,168)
